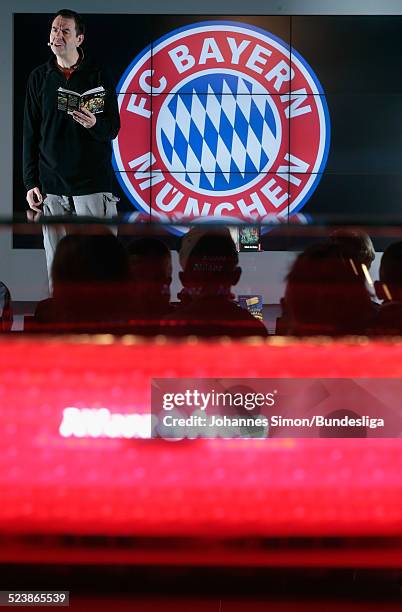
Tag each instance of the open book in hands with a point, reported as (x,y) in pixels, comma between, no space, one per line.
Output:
(93,100)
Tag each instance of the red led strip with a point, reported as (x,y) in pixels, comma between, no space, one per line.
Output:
(51,484)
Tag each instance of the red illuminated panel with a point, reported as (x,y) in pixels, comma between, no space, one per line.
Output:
(114,486)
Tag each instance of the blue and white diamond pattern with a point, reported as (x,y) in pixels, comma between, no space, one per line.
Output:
(218,132)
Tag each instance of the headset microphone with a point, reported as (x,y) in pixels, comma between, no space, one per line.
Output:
(49,44)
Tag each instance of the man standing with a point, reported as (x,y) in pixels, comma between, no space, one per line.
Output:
(67,156)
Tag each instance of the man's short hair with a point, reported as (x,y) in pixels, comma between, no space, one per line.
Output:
(325,292)
(190,240)
(212,259)
(354,244)
(68,14)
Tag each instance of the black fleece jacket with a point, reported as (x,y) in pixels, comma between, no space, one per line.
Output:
(60,156)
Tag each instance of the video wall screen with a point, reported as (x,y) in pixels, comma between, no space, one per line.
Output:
(247,118)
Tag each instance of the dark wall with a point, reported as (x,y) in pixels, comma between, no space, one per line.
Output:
(357,60)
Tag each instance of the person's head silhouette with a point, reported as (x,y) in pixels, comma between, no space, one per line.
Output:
(326,294)
(211,267)
(389,287)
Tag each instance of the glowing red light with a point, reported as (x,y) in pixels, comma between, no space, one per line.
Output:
(110,485)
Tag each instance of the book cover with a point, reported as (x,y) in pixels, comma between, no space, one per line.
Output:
(93,99)
(252,303)
(249,238)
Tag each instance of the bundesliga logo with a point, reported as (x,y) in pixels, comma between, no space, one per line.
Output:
(220,120)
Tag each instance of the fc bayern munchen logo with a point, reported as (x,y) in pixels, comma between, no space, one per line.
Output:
(220,120)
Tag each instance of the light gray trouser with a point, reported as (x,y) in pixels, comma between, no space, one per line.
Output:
(101,205)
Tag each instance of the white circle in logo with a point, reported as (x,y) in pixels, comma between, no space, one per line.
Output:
(218,131)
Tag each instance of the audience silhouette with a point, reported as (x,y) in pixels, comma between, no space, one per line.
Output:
(210,268)
(389,289)
(90,275)
(150,265)
(99,286)
(6,312)
(354,244)
(326,294)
